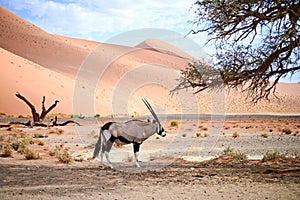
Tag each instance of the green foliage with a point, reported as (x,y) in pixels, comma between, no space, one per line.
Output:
(174,123)
(97,116)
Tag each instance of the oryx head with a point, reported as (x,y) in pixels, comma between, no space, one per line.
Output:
(160,130)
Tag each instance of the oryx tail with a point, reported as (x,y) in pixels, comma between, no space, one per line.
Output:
(98,144)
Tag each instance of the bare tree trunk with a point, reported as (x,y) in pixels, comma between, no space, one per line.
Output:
(65,123)
(35,115)
(38,119)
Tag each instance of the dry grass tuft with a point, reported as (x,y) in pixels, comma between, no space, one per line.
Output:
(62,154)
(287,131)
(5,149)
(264,135)
(56,131)
(235,155)
(235,135)
(277,157)
(29,154)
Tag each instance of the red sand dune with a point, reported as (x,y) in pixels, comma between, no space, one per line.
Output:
(90,77)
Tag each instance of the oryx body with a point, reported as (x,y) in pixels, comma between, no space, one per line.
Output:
(133,131)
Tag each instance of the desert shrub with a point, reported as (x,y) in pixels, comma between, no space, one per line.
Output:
(228,151)
(198,135)
(274,156)
(52,152)
(205,134)
(21,148)
(235,155)
(264,135)
(174,123)
(57,131)
(60,131)
(63,154)
(39,135)
(29,154)
(2,138)
(27,141)
(248,127)
(277,157)
(239,156)
(184,135)
(235,135)
(97,116)
(5,149)
(286,131)
(16,145)
(40,142)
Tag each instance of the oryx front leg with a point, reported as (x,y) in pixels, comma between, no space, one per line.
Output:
(136,148)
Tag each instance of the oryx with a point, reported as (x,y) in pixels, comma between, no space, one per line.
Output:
(133,131)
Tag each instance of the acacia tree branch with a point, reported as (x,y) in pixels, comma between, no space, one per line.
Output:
(245,58)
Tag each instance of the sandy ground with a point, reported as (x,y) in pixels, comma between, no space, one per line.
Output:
(165,172)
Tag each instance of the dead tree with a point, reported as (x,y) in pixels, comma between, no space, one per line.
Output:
(37,118)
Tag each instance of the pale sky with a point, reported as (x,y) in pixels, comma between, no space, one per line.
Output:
(101,20)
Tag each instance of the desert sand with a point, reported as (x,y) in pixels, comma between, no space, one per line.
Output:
(91,77)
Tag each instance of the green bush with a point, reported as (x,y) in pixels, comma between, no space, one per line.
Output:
(174,123)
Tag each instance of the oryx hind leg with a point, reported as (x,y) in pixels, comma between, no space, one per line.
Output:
(107,148)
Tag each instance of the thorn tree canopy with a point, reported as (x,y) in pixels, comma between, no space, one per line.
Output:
(257,43)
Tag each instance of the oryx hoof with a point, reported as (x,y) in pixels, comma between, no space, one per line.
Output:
(137,165)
